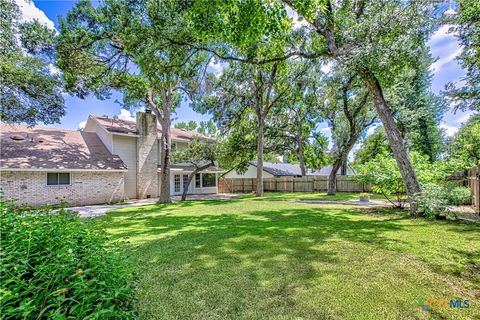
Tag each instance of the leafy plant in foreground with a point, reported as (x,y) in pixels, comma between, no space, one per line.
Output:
(54,266)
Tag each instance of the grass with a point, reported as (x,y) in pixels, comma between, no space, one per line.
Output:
(342,196)
(248,259)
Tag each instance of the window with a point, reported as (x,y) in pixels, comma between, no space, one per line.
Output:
(176,182)
(209,180)
(198,181)
(58,178)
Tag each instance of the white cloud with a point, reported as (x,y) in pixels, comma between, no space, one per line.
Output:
(82,124)
(464,117)
(371,130)
(444,60)
(445,46)
(126,115)
(449,130)
(216,67)
(441,34)
(31,12)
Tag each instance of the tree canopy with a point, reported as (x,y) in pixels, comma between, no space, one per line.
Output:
(30,88)
(466,24)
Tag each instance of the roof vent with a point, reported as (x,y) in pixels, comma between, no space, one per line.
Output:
(105,116)
(17,138)
(148,111)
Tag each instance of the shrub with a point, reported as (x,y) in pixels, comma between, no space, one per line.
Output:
(432,201)
(459,196)
(383,174)
(55,266)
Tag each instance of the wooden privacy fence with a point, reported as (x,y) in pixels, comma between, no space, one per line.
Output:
(291,184)
(474,184)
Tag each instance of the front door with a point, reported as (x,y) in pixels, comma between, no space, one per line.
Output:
(179,183)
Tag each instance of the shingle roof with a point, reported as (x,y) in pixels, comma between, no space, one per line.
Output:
(280,169)
(290,169)
(22,147)
(125,126)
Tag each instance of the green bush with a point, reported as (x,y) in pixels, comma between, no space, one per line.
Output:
(432,201)
(55,266)
(459,196)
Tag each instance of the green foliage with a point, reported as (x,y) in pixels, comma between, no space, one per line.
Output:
(432,201)
(54,266)
(436,197)
(207,128)
(191,125)
(30,92)
(128,46)
(239,26)
(467,24)
(315,152)
(292,131)
(374,145)
(383,173)
(458,196)
(464,146)
(418,111)
(37,38)
(239,147)
(199,152)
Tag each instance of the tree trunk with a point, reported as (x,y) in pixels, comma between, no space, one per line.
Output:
(261,124)
(165,161)
(412,185)
(332,178)
(301,158)
(341,161)
(189,180)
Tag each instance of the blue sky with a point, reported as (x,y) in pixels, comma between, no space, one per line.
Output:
(443,46)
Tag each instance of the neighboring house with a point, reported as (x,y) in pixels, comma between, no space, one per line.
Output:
(110,160)
(271,170)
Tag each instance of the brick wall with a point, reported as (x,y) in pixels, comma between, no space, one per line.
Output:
(85,188)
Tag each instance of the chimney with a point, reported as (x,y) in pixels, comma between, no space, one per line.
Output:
(147,156)
(146,123)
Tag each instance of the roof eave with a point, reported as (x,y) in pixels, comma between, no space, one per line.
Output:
(62,169)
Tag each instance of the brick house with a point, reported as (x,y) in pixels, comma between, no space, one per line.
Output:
(111,159)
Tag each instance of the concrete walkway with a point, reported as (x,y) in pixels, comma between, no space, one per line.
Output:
(101,209)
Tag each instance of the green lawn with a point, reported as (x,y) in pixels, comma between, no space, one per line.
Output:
(246,259)
(342,196)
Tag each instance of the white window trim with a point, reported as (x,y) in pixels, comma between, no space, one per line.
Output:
(58,185)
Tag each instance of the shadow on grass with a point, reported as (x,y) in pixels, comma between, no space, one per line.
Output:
(282,230)
(255,256)
(277,231)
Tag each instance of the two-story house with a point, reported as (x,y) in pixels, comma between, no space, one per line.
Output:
(111,159)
